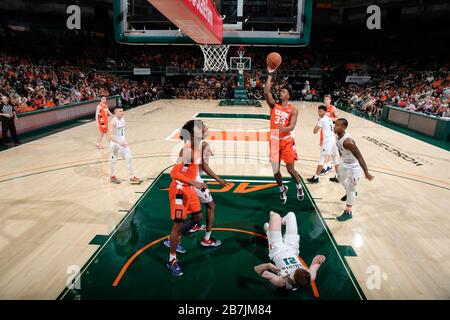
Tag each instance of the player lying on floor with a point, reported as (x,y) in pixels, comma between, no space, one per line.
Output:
(286,271)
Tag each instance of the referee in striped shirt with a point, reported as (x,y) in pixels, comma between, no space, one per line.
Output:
(7,115)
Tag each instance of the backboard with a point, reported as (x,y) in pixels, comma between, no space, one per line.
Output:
(246,22)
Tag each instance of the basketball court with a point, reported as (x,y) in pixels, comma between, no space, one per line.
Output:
(70,216)
(68,233)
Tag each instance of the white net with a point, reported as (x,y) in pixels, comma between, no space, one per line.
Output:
(215,57)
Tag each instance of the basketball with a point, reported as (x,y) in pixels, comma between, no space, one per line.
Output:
(273,60)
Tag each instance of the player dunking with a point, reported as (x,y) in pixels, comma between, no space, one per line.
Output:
(283,118)
(119,146)
(350,166)
(101,118)
(287,271)
(328,148)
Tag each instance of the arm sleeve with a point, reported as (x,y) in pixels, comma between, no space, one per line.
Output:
(177,174)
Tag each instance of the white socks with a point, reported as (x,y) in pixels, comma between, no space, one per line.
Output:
(130,166)
(112,166)
(207,235)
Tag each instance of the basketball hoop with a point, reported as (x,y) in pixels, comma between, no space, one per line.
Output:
(241,51)
(215,57)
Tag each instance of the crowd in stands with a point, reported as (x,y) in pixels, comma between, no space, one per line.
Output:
(425,92)
(35,79)
(211,87)
(49,83)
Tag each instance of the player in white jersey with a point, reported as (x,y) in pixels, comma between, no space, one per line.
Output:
(350,166)
(286,271)
(119,146)
(328,148)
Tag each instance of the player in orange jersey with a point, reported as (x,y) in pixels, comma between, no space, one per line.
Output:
(283,118)
(101,118)
(182,195)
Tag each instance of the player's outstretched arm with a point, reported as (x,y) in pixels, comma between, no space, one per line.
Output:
(263,271)
(318,126)
(315,265)
(267,93)
(205,164)
(350,145)
(213,175)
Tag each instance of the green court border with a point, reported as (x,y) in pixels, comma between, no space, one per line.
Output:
(353,279)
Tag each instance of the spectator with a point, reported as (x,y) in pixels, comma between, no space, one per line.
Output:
(446,113)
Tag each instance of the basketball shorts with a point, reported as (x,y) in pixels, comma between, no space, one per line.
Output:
(349,176)
(278,243)
(183,201)
(327,149)
(283,150)
(102,127)
(117,150)
(205,195)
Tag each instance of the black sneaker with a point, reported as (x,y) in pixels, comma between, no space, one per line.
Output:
(334,179)
(283,195)
(313,180)
(344,198)
(300,194)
